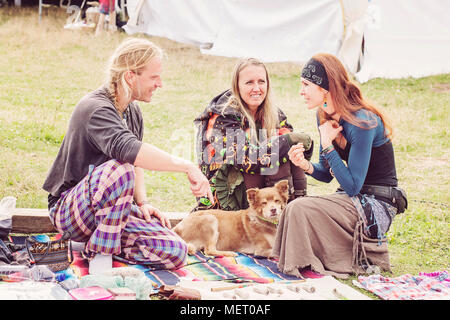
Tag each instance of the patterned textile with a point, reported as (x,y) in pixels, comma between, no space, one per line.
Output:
(99,210)
(377,215)
(424,286)
(314,71)
(149,243)
(243,268)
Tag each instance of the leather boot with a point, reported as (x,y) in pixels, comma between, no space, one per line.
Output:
(299,181)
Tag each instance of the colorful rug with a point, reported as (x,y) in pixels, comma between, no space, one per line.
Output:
(242,268)
(425,286)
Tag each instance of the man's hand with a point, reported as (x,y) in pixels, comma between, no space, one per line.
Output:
(148,211)
(199,184)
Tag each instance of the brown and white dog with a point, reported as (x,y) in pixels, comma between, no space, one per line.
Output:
(252,231)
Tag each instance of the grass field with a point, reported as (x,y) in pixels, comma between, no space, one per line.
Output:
(45,70)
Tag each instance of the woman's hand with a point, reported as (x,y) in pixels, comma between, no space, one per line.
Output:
(297,157)
(329,130)
(199,184)
(148,211)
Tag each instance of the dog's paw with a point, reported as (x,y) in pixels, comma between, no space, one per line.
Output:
(191,249)
(221,253)
(263,253)
(233,254)
(228,254)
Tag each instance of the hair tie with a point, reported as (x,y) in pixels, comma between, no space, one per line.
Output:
(315,72)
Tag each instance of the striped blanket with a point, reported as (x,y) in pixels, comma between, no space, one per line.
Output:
(243,268)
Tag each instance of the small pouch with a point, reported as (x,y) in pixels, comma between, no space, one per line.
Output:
(400,199)
(57,255)
(178,293)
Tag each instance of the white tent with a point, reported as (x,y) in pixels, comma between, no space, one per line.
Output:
(406,38)
(373,38)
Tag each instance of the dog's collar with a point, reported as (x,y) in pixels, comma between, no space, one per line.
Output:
(267,220)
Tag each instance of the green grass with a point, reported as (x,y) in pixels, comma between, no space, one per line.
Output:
(45,70)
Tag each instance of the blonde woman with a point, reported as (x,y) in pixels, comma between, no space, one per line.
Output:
(96,183)
(243,140)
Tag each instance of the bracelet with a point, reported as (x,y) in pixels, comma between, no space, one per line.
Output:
(327,149)
(309,166)
(140,204)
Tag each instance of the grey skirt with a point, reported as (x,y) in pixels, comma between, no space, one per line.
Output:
(326,233)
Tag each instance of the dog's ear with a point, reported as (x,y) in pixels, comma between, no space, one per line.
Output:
(252,195)
(283,187)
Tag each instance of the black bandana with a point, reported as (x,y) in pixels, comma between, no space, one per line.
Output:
(315,72)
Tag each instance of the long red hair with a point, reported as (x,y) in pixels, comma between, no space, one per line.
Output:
(347,97)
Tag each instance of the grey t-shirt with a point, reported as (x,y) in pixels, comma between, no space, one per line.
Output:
(95,135)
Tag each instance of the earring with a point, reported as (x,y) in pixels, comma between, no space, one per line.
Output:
(325,103)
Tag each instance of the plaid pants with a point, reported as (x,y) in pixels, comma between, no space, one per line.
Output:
(99,210)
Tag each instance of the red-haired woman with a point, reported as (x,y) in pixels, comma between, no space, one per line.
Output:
(341,233)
